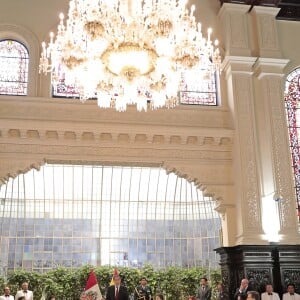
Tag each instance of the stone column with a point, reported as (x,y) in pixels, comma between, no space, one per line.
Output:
(239,78)
(276,165)
(278,193)
(238,75)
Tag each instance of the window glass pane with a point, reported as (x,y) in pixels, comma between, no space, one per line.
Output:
(14,60)
(292,104)
(69,215)
(198,87)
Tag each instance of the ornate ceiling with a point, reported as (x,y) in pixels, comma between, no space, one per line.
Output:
(290,9)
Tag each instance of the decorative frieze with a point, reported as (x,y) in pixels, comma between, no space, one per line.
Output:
(94,137)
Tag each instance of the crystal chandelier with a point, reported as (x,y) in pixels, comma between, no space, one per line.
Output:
(128,51)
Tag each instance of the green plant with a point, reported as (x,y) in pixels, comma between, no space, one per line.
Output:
(67,284)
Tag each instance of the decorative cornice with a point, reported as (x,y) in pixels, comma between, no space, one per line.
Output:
(238,65)
(270,67)
(252,2)
(82,137)
(288,10)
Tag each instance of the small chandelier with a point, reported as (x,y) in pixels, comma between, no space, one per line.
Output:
(126,52)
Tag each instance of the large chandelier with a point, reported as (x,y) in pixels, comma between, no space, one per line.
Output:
(128,51)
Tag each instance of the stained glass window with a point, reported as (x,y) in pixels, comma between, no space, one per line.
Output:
(62,89)
(292,104)
(198,87)
(14,59)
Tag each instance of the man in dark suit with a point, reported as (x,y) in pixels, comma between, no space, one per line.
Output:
(241,292)
(143,291)
(204,291)
(117,291)
(221,295)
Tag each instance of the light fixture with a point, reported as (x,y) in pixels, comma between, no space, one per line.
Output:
(128,51)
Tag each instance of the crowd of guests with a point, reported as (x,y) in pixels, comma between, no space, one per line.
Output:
(204,292)
(245,292)
(144,292)
(23,294)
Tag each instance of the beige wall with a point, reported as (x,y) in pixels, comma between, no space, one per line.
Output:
(231,151)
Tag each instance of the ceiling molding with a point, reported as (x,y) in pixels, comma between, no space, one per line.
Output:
(289,9)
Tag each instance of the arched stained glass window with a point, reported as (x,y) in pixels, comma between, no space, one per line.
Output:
(292,104)
(14,59)
(72,215)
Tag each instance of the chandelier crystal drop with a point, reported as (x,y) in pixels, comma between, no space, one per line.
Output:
(126,52)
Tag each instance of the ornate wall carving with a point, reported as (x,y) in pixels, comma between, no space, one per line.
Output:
(240,84)
(270,74)
(259,277)
(35,133)
(275,264)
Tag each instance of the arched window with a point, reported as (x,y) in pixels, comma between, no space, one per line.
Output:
(72,215)
(292,104)
(14,59)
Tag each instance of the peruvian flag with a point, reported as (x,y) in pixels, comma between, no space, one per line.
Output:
(92,286)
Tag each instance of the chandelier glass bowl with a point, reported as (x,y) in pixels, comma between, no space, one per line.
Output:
(127,51)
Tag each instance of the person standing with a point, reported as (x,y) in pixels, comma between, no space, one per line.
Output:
(117,291)
(221,295)
(204,291)
(241,292)
(24,292)
(6,294)
(269,294)
(143,291)
(252,295)
(290,294)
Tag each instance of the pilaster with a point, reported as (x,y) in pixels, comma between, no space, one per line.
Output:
(228,216)
(234,23)
(277,179)
(239,75)
(265,31)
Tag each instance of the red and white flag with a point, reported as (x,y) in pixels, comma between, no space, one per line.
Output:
(92,286)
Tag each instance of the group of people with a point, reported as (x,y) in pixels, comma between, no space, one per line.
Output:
(244,292)
(23,294)
(142,291)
